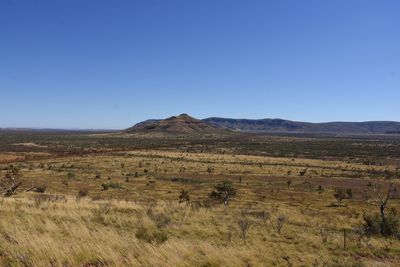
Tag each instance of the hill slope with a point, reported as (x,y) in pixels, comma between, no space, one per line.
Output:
(182,124)
(279,125)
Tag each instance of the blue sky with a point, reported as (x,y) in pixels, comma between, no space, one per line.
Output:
(110,64)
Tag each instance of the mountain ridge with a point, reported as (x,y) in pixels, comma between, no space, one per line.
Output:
(281,125)
(185,124)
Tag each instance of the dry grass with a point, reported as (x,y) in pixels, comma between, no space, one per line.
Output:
(140,222)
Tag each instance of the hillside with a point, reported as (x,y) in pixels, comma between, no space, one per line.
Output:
(280,125)
(182,124)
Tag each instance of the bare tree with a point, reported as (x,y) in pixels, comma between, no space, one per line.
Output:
(324,232)
(382,200)
(244,226)
(280,221)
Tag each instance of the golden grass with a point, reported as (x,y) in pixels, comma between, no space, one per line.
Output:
(142,224)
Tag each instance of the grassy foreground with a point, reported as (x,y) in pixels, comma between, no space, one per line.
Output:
(46,231)
(284,214)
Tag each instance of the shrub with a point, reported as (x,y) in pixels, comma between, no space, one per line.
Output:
(280,221)
(375,225)
(349,193)
(341,194)
(184,196)
(324,232)
(224,192)
(83,192)
(303,172)
(40,189)
(278,225)
(160,219)
(10,182)
(210,169)
(106,186)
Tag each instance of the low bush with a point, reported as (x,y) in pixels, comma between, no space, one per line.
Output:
(375,225)
(155,236)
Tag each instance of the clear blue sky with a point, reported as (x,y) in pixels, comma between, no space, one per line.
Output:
(109,64)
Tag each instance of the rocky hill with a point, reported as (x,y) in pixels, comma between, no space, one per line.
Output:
(182,124)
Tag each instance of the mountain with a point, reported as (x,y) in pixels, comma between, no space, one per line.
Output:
(182,124)
(280,125)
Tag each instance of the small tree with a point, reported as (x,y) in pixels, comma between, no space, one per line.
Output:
(384,223)
(244,226)
(341,194)
(210,169)
(303,172)
(278,225)
(223,192)
(184,196)
(382,200)
(11,182)
(324,232)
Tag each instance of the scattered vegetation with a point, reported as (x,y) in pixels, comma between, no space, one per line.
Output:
(156,202)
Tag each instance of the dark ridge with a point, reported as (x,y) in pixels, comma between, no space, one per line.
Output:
(280,125)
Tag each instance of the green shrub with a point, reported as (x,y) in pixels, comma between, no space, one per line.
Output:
(223,192)
(375,225)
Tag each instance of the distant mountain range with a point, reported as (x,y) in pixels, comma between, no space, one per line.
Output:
(280,125)
(184,124)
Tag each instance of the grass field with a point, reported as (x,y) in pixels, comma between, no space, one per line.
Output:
(118,204)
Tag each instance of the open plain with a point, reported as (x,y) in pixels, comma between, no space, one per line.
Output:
(113,199)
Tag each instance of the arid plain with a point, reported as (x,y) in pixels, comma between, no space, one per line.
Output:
(123,199)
